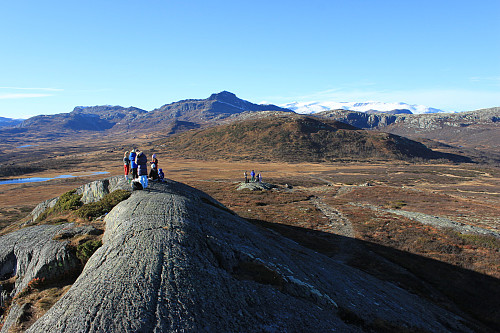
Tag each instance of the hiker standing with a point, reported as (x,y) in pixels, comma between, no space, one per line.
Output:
(252,176)
(259,178)
(126,165)
(142,168)
(133,163)
(246,177)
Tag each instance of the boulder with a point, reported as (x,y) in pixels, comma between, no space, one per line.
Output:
(255,186)
(32,253)
(39,209)
(90,192)
(174,259)
(96,190)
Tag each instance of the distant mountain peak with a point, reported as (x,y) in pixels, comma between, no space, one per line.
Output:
(222,95)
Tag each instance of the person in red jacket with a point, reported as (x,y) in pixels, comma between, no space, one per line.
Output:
(126,165)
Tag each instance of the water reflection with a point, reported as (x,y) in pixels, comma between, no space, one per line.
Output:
(40,179)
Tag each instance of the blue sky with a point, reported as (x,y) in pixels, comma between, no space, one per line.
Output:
(56,55)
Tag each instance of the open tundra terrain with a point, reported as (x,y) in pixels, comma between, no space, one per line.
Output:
(430,229)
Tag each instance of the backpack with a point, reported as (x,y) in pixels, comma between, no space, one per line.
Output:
(136,186)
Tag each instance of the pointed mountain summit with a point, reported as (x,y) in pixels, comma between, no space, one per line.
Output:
(217,107)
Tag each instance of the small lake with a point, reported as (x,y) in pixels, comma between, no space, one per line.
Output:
(26,146)
(40,179)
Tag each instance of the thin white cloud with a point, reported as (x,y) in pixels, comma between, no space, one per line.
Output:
(486,79)
(18,96)
(28,88)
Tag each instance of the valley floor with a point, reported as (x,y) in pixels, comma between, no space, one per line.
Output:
(430,228)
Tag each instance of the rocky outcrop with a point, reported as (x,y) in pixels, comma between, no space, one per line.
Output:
(32,253)
(91,192)
(174,259)
(39,209)
(474,129)
(96,190)
(255,186)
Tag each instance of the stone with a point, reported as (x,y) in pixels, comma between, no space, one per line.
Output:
(96,190)
(39,209)
(255,186)
(31,253)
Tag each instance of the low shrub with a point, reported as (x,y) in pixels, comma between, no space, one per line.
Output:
(103,206)
(86,250)
(397,204)
(486,241)
(68,201)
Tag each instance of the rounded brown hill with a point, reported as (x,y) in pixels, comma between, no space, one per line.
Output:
(292,138)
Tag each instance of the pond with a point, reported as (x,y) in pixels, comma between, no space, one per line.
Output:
(26,146)
(40,179)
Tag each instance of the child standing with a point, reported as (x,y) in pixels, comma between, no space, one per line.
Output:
(126,165)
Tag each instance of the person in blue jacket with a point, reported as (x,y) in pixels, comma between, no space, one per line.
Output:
(142,168)
(133,164)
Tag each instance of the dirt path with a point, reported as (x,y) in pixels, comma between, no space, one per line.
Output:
(338,223)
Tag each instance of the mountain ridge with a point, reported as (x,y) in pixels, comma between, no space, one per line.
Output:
(475,129)
(117,118)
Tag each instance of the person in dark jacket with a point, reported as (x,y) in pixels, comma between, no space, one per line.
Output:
(153,174)
(133,164)
(161,175)
(142,168)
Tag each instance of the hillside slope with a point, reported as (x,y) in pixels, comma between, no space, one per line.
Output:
(294,138)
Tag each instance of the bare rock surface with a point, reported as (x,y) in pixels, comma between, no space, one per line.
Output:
(174,259)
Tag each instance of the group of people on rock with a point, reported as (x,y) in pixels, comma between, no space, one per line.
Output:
(253,177)
(136,163)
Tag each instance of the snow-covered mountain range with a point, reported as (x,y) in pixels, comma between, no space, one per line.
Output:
(314,107)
